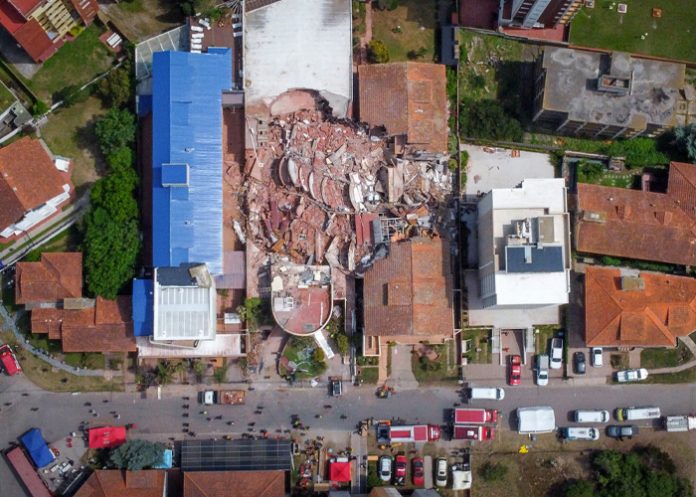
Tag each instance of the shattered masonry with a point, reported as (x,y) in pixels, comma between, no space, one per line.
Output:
(325,191)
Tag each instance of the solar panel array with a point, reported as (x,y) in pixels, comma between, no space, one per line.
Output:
(235,455)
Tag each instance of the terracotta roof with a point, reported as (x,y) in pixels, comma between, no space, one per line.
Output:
(406,98)
(56,276)
(107,327)
(47,321)
(87,9)
(118,483)
(641,225)
(654,313)
(407,293)
(28,178)
(10,19)
(234,484)
(35,41)
(24,7)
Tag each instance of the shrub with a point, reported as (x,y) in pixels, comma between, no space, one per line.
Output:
(70,95)
(116,89)
(318,355)
(342,343)
(588,172)
(39,108)
(493,471)
(487,119)
(377,52)
(686,140)
(115,130)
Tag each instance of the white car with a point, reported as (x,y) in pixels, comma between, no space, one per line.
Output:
(385,468)
(556,353)
(542,370)
(631,375)
(441,472)
(596,357)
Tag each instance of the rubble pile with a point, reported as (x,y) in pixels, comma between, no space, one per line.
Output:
(320,191)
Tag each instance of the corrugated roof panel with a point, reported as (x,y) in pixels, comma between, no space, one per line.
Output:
(142,307)
(187,129)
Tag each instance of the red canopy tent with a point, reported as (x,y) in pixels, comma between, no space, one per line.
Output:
(107,436)
(339,471)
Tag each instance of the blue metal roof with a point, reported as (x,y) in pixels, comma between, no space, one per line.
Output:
(530,259)
(36,446)
(187,129)
(142,308)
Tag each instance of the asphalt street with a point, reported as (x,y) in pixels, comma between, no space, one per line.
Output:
(160,419)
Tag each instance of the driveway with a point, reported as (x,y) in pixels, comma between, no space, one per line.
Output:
(402,377)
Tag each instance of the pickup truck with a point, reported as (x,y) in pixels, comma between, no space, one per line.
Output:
(228,397)
(478,433)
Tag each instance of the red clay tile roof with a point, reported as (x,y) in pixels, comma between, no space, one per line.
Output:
(118,483)
(652,316)
(87,9)
(24,7)
(35,41)
(406,98)
(105,328)
(56,276)
(641,225)
(47,321)
(407,292)
(10,19)
(28,178)
(234,484)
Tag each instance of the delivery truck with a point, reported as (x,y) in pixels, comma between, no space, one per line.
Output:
(229,397)
(679,423)
(475,416)
(414,433)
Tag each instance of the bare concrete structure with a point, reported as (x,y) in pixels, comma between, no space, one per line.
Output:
(605,95)
(537,13)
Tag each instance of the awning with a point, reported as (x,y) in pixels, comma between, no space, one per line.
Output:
(37,448)
(107,436)
(339,472)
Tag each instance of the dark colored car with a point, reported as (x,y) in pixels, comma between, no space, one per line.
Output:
(579,363)
(417,472)
(515,371)
(621,432)
(336,387)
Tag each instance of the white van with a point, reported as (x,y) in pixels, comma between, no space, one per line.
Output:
(637,413)
(579,433)
(592,416)
(479,393)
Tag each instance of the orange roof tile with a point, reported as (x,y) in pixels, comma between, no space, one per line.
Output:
(56,276)
(234,484)
(406,98)
(407,292)
(47,321)
(35,41)
(105,328)
(118,483)
(28,179)
(655,315)
(641,225)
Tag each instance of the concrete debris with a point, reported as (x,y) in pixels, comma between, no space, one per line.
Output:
(320,189)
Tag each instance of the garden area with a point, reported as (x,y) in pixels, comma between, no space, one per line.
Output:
(407,28)
(665,357)
(302,359)
(435,363)
(478,345)
(597,173)
(668,35)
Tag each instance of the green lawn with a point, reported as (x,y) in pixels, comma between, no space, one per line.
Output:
(87,360)
(685,376)
(369,374)
(408,28)
(479,346)
(665,358)
(669,36)
(75,63)
(442,369)
(6,97)
(300,351)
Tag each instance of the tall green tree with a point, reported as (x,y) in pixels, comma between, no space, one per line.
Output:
(686,140)
(135,455)
(115,130)
(117,88)
(487,119)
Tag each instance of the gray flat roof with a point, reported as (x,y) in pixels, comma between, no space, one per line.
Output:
(299,44)
(530,259)
(571,86)
(235,455)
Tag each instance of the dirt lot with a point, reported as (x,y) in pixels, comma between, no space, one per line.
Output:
(141,19)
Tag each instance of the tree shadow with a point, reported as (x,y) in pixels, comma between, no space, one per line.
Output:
(172,12)
(86,139)
(515,81)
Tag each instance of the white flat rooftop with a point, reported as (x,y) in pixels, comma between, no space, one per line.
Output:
(299,44)
(221,346)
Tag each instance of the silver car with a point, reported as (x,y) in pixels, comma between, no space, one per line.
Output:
(556,353)
(629,375)
(441,472)
(596,355)
(385,468)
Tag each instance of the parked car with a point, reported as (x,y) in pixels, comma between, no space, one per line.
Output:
(515,370)
(592,416)
(400,469)
(542,370)
(579,363)
(385,468)
(629,375)
(441,472)
(621,432)
(556,353)
(336,387)
(8,361)
(417,472)
(596,354)
(579,433)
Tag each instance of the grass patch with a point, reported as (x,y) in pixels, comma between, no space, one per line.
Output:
(8,291)
(132,6)
(44,376)
(302,354)
(441,369)
(6,97)
(369,375)
(669,36)
(408,29)
(480,350)
(70,132)
(665,358)
(75,63)
(543,337)
(684,376)
(66,241)
(84,360)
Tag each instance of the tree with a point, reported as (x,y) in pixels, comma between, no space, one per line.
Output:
(115,130)
(639,152)
(250,312)
(39,108)
(686,140)
(342,344)
(579,488)
(493,471)
(116,89)
(164,372)
(70,95)
(135,455)
(377,52)
(318,355)
(487,119)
